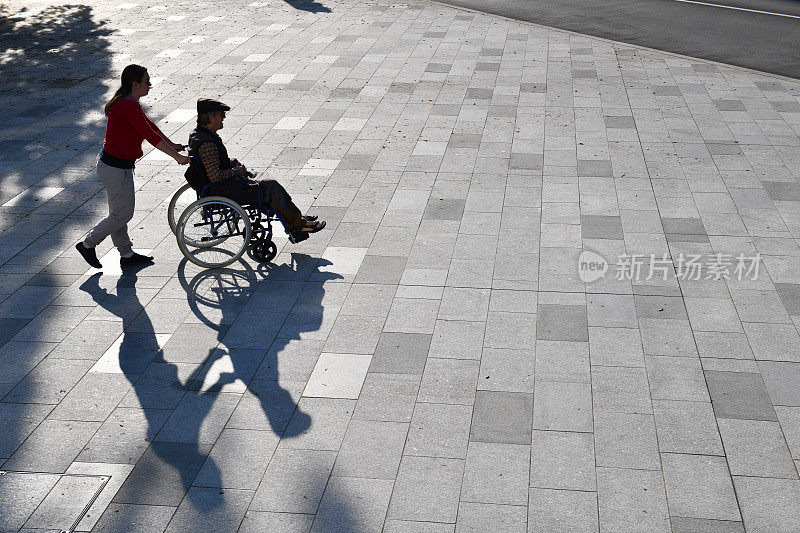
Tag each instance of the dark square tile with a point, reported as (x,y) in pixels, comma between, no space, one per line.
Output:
(520,161)
(327,115)
(507,111)
(729,105)
(790,296)
(594,168)
(771,86)
(433,34)
(601,227)
(620,123)
(478,93)
(555,322)
(485,66)
(739,395)
(584,73)
(502,417)
(357,162)
(496,52)
(403,88)
(724,149)
(666,90)
(782,191)
(401,353)
(786,107)
(685,226)
(439,68)
(465,140)
(444,209)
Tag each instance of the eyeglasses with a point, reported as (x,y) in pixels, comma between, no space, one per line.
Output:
(147,82)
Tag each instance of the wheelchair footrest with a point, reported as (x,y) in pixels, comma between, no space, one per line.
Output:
(300,236)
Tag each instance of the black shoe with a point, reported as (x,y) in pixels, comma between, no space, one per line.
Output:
(135,259)
(89,255)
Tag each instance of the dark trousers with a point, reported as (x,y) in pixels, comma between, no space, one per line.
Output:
(268,191)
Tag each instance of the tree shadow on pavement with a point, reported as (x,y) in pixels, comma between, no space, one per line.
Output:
(312,6)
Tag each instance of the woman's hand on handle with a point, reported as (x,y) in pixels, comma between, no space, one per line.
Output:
(166,147)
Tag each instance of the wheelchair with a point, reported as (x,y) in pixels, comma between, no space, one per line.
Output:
(214,231)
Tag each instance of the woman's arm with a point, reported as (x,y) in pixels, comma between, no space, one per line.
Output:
(143,125)
(170,151)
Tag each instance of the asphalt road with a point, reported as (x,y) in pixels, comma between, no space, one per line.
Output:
(760,41)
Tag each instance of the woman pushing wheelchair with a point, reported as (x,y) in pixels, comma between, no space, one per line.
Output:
(211,166)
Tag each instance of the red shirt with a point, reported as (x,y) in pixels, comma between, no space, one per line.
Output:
(126,128)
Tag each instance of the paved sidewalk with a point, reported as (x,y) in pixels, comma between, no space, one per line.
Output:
(437,359)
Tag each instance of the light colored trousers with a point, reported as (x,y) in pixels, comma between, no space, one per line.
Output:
(121,201)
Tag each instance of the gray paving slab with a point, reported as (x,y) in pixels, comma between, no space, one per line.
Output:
(449,381)
(563,460)
(561,323)
(686,427)
(632,500)
(163,474)
(460,187)
(739,395)
(756,447)
(427,489)
(22,493)
(294,481)
(700,486)
(474,517)
(128,518)
(513,427)
(768,504)
(401,353)
(496,473)
(371,449)
(352,503)
(36,454)
(562,511)
(683,524)
(439,430)
(626,440)
(66,502)
(205,508)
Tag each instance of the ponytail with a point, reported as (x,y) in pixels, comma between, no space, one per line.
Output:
(130,75)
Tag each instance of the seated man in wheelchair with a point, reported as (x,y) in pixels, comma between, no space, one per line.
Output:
(231,179)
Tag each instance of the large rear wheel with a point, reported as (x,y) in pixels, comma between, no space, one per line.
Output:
(213,232)
(182,198)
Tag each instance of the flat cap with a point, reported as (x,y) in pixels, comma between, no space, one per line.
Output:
(207,105)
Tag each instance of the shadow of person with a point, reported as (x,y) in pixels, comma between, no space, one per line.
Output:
(294,291)
(157,386)
(312,6)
